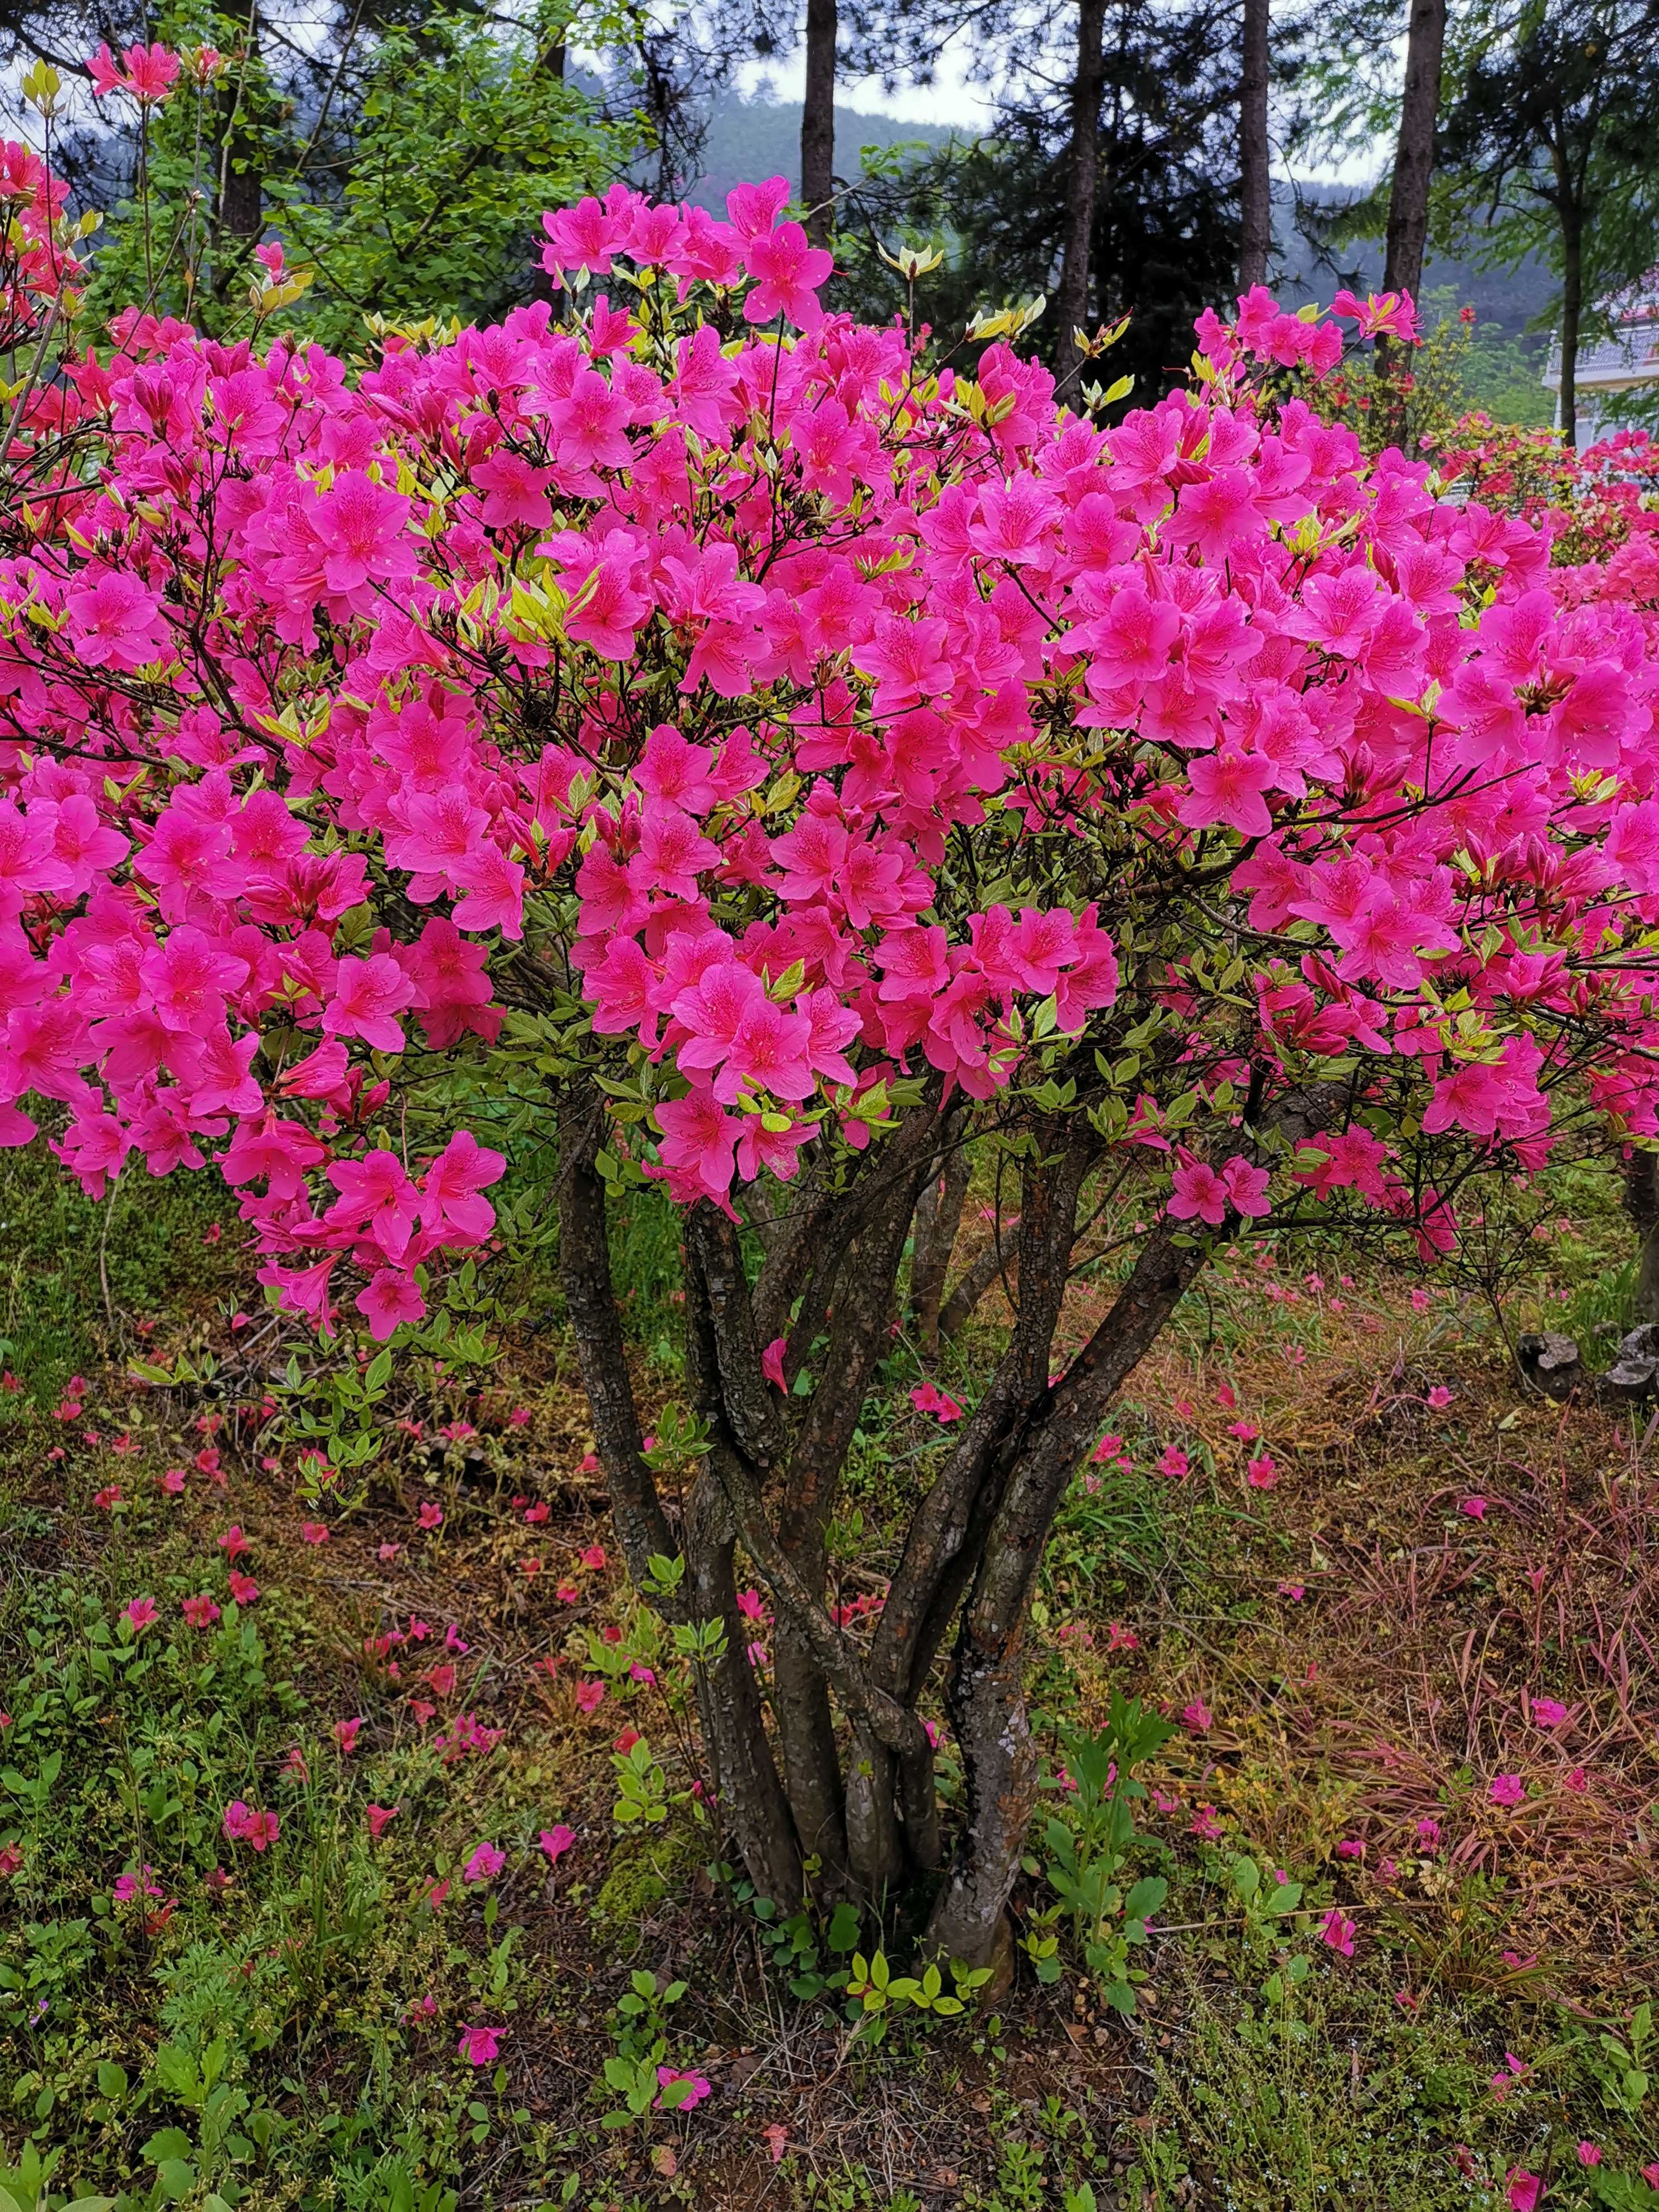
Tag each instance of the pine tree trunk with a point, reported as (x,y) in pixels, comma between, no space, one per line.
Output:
(1083,163)
(238,219)
(1572,311)
(1413,161)
(1254,188)
(818,121)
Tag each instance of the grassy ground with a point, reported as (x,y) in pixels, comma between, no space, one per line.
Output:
(1415,1711)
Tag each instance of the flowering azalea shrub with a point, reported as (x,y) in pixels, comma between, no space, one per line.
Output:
(800,766)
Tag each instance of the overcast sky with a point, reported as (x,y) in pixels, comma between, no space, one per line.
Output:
(952,100)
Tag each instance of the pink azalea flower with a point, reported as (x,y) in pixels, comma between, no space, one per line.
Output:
(593,1559)
(1174,1462)
(927,1398)
(485,1863)
(1338,1931)
(1439,1397)
(480,2046)
(1197,1716)
(242,1824)
(1476,1507)
(200,1612)
(590,1696)
(243,1587)
(696,2086)
(1547,1712)
(345,1735)
(1589,2155)
(148,73)
(1262,1472)
(556,1841)
(1524,2191)
(313,1532)
(378,1816)
(139,1612)
(1507,1790)
(789,271)
(431,1515)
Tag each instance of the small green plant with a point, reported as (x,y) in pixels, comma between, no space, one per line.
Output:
(641,1786)
(796,1946)
(1267,1904)
(632,2074)
(1090,1839)
(875,1993)
(1621,2062)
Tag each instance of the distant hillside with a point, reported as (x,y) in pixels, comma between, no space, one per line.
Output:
(1511,301)
(754,138)
(1503,368)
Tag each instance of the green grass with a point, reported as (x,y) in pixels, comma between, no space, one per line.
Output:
(77,1277)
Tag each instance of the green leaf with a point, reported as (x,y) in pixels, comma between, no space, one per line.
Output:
(111,2082)
(844,1923)
(1145,1898)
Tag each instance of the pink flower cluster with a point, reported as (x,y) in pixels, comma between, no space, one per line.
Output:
(321,708)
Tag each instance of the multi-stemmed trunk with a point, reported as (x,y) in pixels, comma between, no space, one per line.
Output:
(826,1781)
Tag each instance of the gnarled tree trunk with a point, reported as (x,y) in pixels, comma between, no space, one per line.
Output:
(828,1781)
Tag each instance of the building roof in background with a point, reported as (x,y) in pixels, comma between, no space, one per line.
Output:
(1629,357)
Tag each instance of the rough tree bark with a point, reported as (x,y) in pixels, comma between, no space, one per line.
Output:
(238,218)
(1413,159)
(1642,1203)
(818,121)
(1082,171)
(1255,185)
(742,1770)
(997,1259)
(938,1217)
